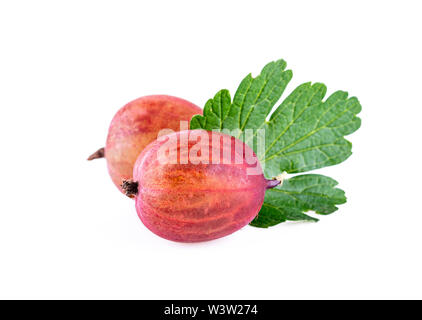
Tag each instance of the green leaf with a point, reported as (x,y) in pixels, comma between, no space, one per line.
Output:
(305,132)
(252,102)
(298,195)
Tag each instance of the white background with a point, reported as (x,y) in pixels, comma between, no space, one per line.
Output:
(67,66)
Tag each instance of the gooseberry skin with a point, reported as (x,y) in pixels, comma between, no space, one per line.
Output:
(136,125)
(197,202)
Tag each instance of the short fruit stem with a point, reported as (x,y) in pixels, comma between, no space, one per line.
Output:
(276,181)
(130,188)
(97,154)
(272,183)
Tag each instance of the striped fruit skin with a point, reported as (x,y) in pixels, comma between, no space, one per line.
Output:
(188,202)
(136,125)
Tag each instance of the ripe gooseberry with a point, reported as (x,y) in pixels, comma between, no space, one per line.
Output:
(136,125)
(192,186)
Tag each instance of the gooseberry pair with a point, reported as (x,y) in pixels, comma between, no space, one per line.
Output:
(189,186)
